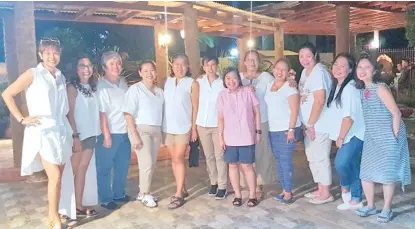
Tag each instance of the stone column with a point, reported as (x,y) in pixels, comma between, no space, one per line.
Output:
(242,48)
(191,40)
(161,54)
(279,43)
(342,28)
(20,52)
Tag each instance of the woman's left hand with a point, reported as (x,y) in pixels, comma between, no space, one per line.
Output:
(193,136)
(290,137)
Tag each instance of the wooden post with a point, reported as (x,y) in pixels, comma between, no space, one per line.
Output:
(342,28)
(161,55)
(20,52)
(353,50)
(191,40)
(279,43)
(242,48)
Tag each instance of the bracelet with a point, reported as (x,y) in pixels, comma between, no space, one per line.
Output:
(291,129)
(75,135)
(258,131)
(21,120)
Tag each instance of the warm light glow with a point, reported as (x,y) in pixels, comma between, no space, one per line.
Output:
(164,39)
(374,44)
(182,33)
(250,44)
(234,52)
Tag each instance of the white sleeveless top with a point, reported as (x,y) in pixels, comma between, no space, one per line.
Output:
(86,115)
(207,115)
(47,100)
(178,106)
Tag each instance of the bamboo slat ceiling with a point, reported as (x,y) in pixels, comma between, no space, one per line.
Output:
(319,18)
(213,18)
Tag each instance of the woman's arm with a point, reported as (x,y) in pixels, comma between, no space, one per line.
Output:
(257,114)
(104,125)
(72,93)
(21,83)
(386,97)
(294,104)
(318,105)
(131,123)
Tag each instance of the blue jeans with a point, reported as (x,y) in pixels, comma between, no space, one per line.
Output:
(115,159)
(283,153)
(347,165)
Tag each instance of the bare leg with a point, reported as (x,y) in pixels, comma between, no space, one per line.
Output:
(250,179)
(179,168)
(80,163)
(54,173)
(234,178)
(369,190)
(388,190)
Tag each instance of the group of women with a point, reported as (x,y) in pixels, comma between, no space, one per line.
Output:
(247,123)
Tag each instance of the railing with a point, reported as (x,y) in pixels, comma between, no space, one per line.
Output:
(397,54)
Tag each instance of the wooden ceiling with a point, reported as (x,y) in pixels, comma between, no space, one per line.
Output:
(319,18)
(213,18)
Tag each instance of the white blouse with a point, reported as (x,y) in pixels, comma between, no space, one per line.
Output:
(178,106)
(111,98)
(86,115)
(143,105)
(208,95)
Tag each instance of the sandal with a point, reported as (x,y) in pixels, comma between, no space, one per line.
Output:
(252,202)
(365,211)
(385,216)
(53,225)
(237,202)
(259,193)
(86,212)
(175,202)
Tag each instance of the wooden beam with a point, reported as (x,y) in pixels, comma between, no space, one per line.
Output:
(84,12)
(128,16)
(217,28)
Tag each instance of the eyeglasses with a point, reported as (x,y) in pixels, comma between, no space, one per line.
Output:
(51,40)
(83,66)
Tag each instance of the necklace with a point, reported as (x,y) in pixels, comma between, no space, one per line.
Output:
(86,91)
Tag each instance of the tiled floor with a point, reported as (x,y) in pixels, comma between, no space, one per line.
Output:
(23,205)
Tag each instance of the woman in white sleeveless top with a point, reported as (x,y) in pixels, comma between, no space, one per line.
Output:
(143,111)
(84,119)
(47,140)
(181,96)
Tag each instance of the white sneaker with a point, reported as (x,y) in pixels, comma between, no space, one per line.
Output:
(148,201)
(140,197)
(347,197)
(348,206)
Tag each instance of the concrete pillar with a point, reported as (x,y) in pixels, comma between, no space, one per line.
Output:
(342,28)
(191,40)
(279,43)
(242,48)
(376,40)
(20,52)
(161,54)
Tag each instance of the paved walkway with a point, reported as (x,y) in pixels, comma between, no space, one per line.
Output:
(23,205)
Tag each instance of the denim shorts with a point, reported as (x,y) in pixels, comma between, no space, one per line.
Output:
(240,154)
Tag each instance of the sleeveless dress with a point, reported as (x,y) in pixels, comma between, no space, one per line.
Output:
(385,159)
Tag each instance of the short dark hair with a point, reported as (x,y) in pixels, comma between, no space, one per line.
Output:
(310,46)
(238,76)
(405,59)
(207,59)
(140,66)
(376,77)
(285,60)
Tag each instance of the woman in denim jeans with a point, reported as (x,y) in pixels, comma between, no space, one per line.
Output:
(283,104)
(347,128)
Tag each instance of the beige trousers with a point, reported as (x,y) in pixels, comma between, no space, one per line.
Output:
(265,165)
(147,154)
(215,163)
(318,157)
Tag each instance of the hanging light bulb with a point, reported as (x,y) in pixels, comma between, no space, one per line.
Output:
(250,44)
(164,39)
(182,33)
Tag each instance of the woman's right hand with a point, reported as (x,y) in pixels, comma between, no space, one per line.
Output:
(136,141)
(222,144)
(30,121)
(107,142)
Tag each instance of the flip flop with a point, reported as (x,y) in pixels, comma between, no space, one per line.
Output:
(252,202)
(365,211)
(237,202)
(385,216)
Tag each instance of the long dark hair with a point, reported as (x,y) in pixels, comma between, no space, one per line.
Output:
(376,77)
(92,81)
(352,66)
(310,46)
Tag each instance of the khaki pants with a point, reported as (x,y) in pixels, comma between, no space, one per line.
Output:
(216,166)
(265,166)
(318,157)
(147,155)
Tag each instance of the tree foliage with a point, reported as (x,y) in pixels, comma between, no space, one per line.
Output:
(410,29)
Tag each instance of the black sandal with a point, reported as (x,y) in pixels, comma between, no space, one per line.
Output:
(175,202)
(86,212)
(237,202)
(252,202)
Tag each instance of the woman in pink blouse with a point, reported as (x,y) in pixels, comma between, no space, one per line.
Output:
(239,124)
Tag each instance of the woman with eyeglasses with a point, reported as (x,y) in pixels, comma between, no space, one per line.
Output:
(84,119)
(48,139)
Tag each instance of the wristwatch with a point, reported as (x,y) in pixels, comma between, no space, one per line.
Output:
(75,135)
(258,131)
(309,126)
(291,129)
